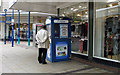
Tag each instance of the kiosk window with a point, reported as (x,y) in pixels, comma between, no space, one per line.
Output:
(63,30)
(73,28)
(49,29)
(56,30)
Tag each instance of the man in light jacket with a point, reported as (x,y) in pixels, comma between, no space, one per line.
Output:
(43,44)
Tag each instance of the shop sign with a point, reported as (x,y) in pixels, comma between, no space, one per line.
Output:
(61,21)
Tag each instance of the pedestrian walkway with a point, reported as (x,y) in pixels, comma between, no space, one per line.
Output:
(23,59)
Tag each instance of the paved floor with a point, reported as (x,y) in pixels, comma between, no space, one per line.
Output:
(23,59)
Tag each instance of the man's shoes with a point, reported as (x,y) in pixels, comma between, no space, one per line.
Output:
(44,62)
(40,62)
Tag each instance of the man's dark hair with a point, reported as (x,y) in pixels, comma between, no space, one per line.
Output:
(44,26)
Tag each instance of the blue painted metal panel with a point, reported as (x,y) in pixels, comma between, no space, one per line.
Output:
(29,29)
(2,21)
(18,27)
(13,29)
(5,27)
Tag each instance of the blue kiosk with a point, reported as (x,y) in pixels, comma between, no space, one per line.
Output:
(59,36)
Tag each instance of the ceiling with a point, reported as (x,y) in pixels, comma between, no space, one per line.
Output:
(44,7)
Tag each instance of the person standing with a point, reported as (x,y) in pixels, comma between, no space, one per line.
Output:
(43,44)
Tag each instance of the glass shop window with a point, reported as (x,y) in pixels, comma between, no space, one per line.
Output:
(107,31)
(79,26)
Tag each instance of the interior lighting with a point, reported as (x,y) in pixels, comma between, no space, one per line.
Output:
(71,8)
(111,1)
(75,9)
(63,15)
(110,5)
(86,16)
(80,6)
(78,15)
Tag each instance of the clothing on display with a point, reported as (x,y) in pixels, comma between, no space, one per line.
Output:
(80,32)
(84,30)
(112,31)
(85,45)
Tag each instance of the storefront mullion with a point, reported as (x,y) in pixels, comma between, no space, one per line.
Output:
(90,29)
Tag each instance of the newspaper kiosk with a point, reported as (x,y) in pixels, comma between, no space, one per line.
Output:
(59,35)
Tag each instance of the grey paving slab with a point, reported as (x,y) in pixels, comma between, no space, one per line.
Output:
(93,70)
(19,59)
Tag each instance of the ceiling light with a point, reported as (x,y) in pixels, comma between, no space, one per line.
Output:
(84,7)
(110,5)
(63,15)
(75,9)
(86,16)
(78,15)
(111,1)
(71,8)
(80,6)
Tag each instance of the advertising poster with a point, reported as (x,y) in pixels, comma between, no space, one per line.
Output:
(63,30)
(61,50)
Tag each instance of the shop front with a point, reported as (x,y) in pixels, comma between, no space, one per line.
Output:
(95,27)
(23,31)
(106,30)
(79,27)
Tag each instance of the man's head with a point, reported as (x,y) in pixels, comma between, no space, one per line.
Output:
(44,26)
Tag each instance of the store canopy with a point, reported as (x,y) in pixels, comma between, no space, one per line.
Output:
(44,7)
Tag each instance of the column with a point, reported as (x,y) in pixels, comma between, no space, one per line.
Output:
(29,29)
(12,28)
(5,27)
(90,26)
(18,27)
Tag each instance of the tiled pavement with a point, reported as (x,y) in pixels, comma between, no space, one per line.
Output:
(23,59)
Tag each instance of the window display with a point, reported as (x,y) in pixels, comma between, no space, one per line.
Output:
(112,34)
(107,31)
(79,26)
